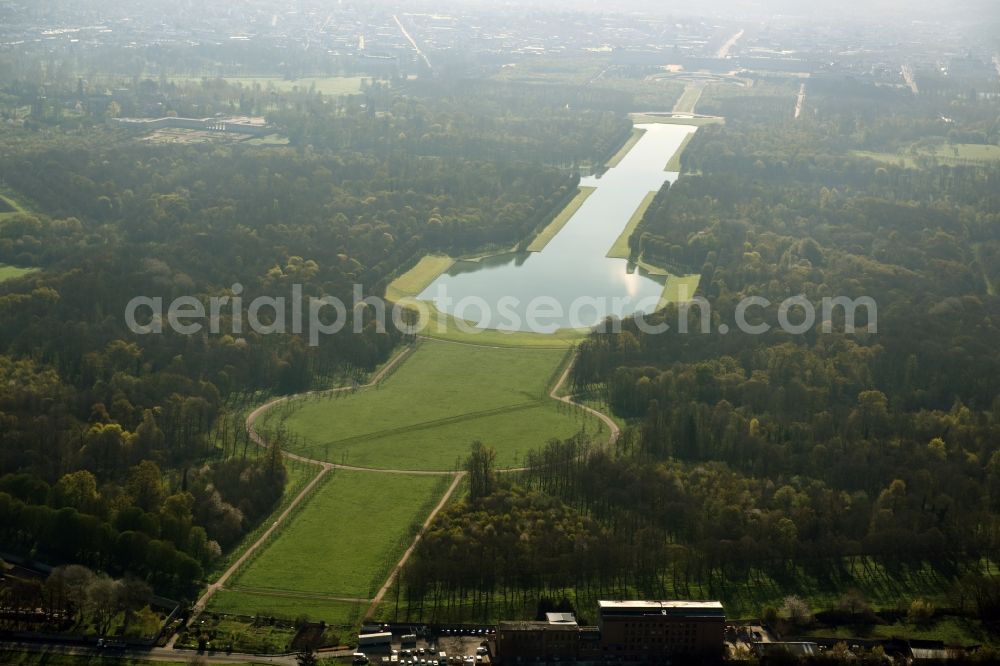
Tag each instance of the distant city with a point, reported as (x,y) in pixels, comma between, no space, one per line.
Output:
(370,38)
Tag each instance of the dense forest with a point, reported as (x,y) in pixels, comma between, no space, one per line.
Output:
(132,444)
(754,458)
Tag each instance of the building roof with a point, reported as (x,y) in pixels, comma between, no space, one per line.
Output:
(535,626)
(684,608)
(646,605)
(566,619)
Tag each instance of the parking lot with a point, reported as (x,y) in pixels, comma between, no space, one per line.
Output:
(458,645)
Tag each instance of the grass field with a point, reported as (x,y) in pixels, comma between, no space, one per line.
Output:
(512,432)
(335,613)
(428,412)
(895,159)
(11,272)
(268,140)
(556,225)
(9,206)
(950,630)
(679,289)
(687,102)
(328,85)
(624,150)
(345,538)
(418,278)
(620,249)
(951,153)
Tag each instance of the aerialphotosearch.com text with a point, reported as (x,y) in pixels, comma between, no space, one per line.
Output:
(316,317)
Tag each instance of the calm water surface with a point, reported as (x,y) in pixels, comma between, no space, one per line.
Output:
(571,283)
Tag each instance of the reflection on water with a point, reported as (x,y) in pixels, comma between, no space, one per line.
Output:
(571,283)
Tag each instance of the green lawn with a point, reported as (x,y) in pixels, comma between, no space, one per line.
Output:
(556,225)
(9,204)
(945,153)
(426,414)
(345,539)
(950,630)
(624,150)
(268,140)
(679,289)
(687,102)
(896,159)
(620,249)
(418,278)
(11,272)
(335,613)
(512,432)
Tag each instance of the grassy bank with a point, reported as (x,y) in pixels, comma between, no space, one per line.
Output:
(620,249)
(418,278)
(689,99)
(12,272)
(624,150)
(556,225)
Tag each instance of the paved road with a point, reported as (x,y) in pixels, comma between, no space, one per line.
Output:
(800,102)
(910,80)
(412,41)
(728,46)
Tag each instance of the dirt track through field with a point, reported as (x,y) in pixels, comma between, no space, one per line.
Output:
(325,467)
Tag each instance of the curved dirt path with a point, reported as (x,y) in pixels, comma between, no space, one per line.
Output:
(613,427)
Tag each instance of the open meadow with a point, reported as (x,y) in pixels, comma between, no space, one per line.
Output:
(283,605)
(342,543)
(11,272)
(425,415)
